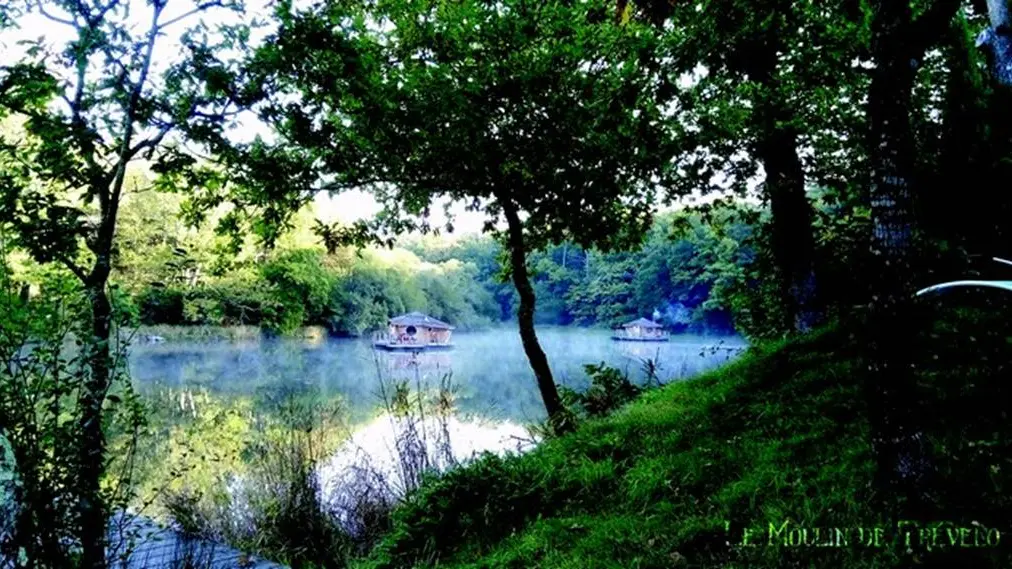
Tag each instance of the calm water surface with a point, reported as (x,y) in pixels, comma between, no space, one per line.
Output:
(488,368)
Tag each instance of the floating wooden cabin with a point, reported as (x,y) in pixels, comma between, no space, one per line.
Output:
(415,331)
(641,330)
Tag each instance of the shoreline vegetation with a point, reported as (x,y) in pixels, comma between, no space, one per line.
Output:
(675,475)
(165,332)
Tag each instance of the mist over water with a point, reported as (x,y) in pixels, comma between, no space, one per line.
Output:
(488,367)
(382,448)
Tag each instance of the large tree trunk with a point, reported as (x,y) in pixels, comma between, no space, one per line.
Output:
(94,514)
(899,43)
(525,316)
(891,154)
(92,445)
(998,41)
(793,243)
(92,449)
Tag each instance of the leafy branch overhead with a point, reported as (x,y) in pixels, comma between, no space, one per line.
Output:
(518,105)
(83,114)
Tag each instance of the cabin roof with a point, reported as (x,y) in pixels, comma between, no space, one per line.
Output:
(642,323)
(420,320)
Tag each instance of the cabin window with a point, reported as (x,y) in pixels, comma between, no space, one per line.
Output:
(411,330)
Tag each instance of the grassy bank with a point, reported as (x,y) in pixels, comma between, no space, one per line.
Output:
(674,479)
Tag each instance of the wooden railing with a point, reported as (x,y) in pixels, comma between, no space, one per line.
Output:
(623,333)
(387,337)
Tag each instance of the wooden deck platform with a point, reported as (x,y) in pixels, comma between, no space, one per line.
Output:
(409,347)
(642,339)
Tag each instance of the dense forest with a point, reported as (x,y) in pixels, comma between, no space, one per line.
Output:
(688,274)
(794,171)
(693,272)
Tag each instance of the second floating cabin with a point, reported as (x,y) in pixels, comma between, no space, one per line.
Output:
(415,331)
(641,330)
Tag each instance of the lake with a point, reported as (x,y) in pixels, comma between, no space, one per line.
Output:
(377,455)
(489,368)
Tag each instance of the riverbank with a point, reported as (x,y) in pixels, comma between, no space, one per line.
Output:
(693,474)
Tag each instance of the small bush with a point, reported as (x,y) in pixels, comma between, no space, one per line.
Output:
(609,390)
(42,377)
(276,508)
(161,305)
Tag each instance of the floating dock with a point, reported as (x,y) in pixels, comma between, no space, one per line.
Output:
(409,347)
(640,339)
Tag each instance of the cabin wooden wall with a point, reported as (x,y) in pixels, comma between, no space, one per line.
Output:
(439,336)
(424,335)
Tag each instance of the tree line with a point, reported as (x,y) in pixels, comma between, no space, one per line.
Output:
(691,274)
(687,274)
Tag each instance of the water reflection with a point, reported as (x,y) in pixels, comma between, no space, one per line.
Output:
(639,351)
(384,448)
(398,362)
(490,366)
(8,483)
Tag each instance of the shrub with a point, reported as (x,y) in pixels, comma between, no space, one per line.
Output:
(275,507)
(41,379)
(609,389)
(161,305)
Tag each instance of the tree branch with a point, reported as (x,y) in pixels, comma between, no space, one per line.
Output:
(104,10)
(74,268)
(198,9)
(144,190)
(84,11)
(218,115)
(124,73)
(107,224)
(132,102)
(337,187)
(152,142)
(48,16)
(78,124)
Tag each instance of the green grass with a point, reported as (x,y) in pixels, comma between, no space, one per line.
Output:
(781,435)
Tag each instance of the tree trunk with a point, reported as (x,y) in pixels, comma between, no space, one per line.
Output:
(890,387)
(793,243)
(525,317)
(92,446)
(998,41)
